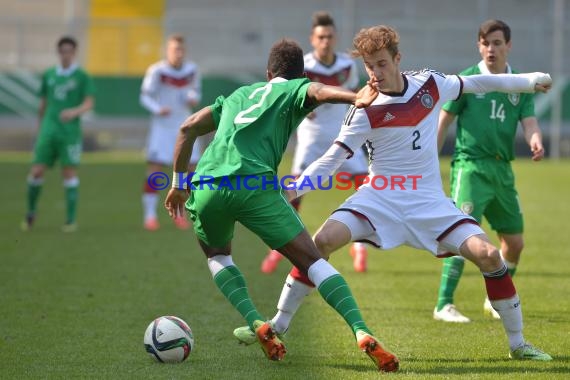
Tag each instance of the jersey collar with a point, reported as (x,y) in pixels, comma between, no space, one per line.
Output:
(484,70)
(68,71)
(278,80)
(395,93)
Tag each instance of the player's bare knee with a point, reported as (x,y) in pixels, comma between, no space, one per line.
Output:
(516,246)
(69,173)
(37,172)
(489,258)
(324,243)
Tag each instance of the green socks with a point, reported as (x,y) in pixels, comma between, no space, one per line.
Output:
(34,191)
(231,283)
(71,194)
(71,187)
(335,291)
(450,275)
(337,294)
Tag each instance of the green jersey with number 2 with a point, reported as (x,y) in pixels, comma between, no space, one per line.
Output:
(253,128)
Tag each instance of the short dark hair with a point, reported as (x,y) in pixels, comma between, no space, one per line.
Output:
(286,59)
(491,26)
(67,40)
(176,37)
(322,18)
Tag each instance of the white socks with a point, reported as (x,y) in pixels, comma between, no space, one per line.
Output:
(150,202)
(35,181)
(292,296)
(219,262)
(320,271)
(71,182)
(511,316)
(294,291)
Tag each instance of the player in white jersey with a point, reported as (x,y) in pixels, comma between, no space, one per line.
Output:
(403,202)
(170,89)
(317,131)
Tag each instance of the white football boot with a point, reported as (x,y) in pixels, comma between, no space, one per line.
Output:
(449,314)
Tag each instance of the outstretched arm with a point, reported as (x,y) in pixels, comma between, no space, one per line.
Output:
(320,169)
(531,82)
(318,93)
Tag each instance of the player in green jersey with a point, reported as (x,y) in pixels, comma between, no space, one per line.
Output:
(253,126)
(66,93)
(482,180)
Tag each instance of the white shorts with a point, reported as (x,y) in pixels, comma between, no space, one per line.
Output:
(160,146)
(435,224)
(308,152)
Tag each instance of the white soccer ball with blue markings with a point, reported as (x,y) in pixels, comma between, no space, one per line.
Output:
(168,339)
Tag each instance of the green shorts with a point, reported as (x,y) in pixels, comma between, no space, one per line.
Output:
(265,212)
(487,188)
(51,146)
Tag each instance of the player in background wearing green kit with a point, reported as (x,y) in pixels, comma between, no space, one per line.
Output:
(482,180)
(253,126)
(66,93)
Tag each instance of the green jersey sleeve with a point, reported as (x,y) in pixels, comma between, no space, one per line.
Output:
(527,109)
(43,92)
(88,86)
(455,106)
(216,109)
(301,97)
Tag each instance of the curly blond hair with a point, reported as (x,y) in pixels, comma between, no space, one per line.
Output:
(371,40)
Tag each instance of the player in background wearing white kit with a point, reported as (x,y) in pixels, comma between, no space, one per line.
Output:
(170,89)
(317,132)
(400,128)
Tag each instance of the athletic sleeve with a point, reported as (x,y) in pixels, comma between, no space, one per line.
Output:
(194,93)
(216,109)
(43,92)
(354,131)
(301,95)
(353,78)
(455,106)
(324,167)
(148,91)
(450,86)
(504,82)
(88,86)
(527,106)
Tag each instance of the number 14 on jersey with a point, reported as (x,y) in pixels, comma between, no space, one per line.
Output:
(497,112)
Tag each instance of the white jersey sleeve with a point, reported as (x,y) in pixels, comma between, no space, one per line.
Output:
(194,94)
(354,131)
(505,82)
(450,86)
(149,90)
(353,79)
(321,168)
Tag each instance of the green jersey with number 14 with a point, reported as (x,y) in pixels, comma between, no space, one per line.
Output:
(487,123)
(254,124)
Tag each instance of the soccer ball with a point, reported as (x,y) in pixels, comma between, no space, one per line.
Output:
(168,339)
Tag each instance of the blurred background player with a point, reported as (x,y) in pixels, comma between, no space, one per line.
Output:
(482,179)
(319,129)
(170,89)
(66,93)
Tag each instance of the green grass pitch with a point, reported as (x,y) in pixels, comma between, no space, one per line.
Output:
(77,305)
